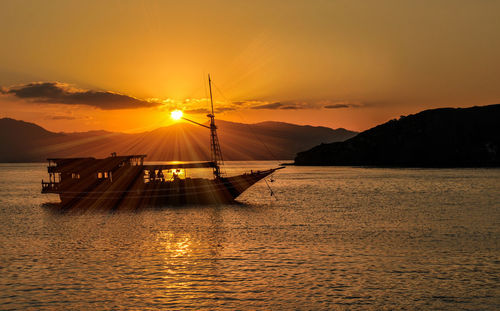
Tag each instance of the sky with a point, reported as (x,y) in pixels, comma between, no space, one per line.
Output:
(124,65)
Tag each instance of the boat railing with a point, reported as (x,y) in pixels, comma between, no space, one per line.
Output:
(53,169)
(49,186)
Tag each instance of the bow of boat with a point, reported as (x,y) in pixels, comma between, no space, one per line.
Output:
(238,184)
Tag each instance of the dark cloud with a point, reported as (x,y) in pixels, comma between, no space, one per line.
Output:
(336,106)
(346,104)
(290,107)
(59,93)
(287,105)
(276,105)
(206,111)
(60,118)
(305,104)
(223,109)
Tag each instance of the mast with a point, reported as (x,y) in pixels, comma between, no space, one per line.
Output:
(215,151)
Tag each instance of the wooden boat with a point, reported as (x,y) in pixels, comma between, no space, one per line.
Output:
(127,180)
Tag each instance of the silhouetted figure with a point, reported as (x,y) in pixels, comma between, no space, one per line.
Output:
(175,174)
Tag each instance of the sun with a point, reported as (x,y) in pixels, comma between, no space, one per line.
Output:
(176,114)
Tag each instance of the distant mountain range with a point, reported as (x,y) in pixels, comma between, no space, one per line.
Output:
(447,137)
(27,142)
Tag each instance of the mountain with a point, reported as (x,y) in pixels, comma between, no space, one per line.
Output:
(22,141)
(446,137)
(28,142)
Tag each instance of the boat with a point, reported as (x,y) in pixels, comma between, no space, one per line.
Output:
(128,180)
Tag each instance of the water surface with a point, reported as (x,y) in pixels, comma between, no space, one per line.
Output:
(336,237)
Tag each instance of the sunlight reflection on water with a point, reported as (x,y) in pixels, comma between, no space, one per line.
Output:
(352,238)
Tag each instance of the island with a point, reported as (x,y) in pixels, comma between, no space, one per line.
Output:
(444,137)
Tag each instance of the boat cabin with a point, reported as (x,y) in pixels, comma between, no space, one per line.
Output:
(68,173)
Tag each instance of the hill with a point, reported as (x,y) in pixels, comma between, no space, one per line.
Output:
(28,142)
(446,137)
(22,141)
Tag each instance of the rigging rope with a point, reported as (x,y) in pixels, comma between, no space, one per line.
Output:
(249,126)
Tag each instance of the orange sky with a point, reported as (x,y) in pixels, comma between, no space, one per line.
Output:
(350,64)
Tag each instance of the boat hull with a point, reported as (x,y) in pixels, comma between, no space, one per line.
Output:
(134,194)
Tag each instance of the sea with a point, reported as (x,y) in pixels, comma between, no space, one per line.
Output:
(329,238)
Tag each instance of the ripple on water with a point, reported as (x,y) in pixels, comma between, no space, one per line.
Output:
(344,238)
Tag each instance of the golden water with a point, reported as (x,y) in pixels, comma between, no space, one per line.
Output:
(336,238)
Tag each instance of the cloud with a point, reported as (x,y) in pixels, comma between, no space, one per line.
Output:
(196,111)
(61,118)
(224,109)
(342,104)
(207,111)
(287,105)
(276,105)
(290,107)
(336,106)
(61,93)
(305,104)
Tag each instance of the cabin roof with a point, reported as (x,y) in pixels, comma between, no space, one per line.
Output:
(90,164)
(92,158)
